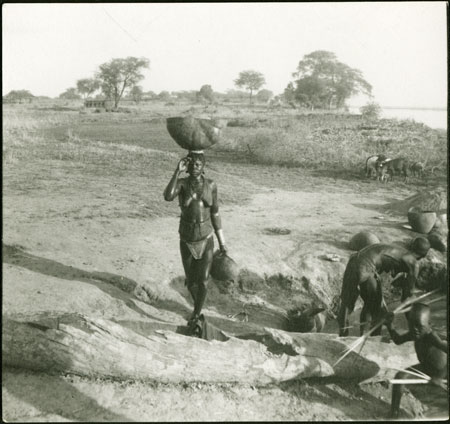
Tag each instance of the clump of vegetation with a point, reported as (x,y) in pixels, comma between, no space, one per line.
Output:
(237,122)
(371,111)
(325,82)
(332,141)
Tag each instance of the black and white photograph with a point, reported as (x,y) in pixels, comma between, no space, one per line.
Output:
(218,212)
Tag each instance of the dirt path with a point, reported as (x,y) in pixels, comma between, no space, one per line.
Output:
(62,252)
(29,396)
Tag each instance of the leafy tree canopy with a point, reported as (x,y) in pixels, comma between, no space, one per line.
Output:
(190,95)
(250,80)
(149,94)
(87,86)
(118,75)
(164,95)
(70,94)
(19,95)
(323,81)
(136,93)
(264,95)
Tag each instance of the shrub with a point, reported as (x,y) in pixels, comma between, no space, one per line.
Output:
(371,111)
(241,123)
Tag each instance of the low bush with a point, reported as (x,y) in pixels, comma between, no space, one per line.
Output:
(246,123)
(324,141)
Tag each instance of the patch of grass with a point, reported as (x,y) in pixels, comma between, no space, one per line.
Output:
(335,142)
(116,166)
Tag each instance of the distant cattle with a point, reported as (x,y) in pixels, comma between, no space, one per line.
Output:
(392,167)
(417,169)
(372,163)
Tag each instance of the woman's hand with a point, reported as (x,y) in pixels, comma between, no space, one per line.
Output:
(183,165)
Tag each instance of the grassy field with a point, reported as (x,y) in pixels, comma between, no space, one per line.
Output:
(261,135)
(55,142)
(59,149)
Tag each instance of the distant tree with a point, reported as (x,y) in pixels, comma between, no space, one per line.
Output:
(189,95)
(219,97)
(264,95)
(233,95)
(324,81)
(136,93)
(118,75)
(289,93)
(206,92)
(371,111)
(250,80)
(19,96)
(276,101)
(87,86)
(149,95)
(164,96)
(311,92)
(70,94)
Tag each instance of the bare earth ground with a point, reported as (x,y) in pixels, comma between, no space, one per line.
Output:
(75,229)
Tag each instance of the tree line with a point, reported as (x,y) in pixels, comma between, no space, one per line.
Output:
(320,81)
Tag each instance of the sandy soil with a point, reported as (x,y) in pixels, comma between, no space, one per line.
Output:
(63,248)
(29,396)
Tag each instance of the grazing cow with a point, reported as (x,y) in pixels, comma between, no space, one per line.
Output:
(391,167)
(417,169)
(372,163)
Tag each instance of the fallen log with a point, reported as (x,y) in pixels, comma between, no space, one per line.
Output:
(93,347)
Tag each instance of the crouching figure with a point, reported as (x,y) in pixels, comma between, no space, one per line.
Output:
(361,278)
(430,349)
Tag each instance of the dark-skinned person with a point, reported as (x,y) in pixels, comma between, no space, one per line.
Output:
(362,278)
(199,220)
(431,351)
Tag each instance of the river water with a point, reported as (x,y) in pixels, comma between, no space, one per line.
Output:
(434,118)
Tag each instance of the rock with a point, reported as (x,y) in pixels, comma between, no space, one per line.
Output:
(321,279)
(424,201)
(363,239)
(433,271)
(249,281)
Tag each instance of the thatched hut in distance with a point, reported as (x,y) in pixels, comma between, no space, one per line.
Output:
(99,103)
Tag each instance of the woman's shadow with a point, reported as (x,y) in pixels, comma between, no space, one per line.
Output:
(116,286)
(65,399)
(60,398)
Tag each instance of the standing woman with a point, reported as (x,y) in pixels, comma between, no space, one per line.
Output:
(200,217)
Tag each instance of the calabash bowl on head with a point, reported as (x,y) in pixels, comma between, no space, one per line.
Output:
(194,133)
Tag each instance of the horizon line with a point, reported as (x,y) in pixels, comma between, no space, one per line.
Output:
(435,108)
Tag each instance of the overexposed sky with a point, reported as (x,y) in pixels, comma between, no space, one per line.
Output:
(401,47)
